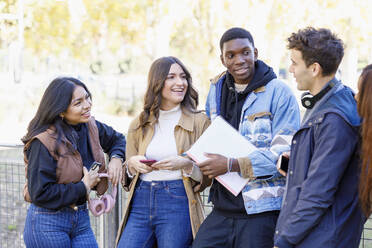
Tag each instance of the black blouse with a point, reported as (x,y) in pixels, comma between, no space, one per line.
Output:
(41,171)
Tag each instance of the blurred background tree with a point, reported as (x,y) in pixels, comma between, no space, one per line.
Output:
(110,44)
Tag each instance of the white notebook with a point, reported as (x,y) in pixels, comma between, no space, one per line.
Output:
(221,138)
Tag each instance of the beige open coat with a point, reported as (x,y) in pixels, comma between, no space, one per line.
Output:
(187,131)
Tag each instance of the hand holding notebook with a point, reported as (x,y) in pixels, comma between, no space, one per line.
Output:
(221,138)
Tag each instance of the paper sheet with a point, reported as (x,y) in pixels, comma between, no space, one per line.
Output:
(221,138)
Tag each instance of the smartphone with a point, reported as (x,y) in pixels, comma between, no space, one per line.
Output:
(95,166)
(148,162)
(283,163)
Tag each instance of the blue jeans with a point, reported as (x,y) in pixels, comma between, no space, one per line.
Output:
(159,214)
(62,228)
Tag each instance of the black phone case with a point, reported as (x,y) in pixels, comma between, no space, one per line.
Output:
(284,163)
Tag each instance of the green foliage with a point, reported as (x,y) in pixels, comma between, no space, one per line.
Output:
(110,31)
(12,227)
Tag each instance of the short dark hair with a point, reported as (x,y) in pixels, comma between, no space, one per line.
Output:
(318,46)
(236,33)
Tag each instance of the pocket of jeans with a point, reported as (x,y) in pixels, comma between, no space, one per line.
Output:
(176,192)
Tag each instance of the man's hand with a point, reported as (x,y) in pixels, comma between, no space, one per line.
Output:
(115,170)
(284,154)
(214,166)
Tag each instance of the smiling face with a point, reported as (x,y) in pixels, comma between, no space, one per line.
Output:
(79,109)
(174,89)
(239,56)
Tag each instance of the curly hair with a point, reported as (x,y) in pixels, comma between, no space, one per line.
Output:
(157,75)
(318,46)
(365,111)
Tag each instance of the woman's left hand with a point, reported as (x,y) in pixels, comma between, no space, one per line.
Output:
(173,163)
(115,170)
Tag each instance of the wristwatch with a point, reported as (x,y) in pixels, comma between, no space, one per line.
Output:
(117,156)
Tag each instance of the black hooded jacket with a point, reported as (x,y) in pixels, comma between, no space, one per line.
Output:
(232,101)
(231,107)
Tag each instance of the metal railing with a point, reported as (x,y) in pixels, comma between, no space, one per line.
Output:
(13,208)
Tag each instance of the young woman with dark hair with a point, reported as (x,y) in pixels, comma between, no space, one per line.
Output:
(364,100)
(62,142)
(162,207)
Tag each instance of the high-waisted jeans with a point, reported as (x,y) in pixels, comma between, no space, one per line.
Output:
(159,213)
(62,228)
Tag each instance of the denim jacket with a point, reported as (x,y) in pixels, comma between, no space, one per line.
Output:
(269,118)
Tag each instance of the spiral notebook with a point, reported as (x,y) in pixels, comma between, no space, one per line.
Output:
(221,138)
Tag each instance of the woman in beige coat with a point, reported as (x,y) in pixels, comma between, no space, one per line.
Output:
(163,208)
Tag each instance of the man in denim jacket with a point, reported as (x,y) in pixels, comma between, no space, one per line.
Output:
(321,207)
(264,110)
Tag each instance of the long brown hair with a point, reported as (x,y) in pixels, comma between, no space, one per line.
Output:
(365,111)
(157,75)
(56,99)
